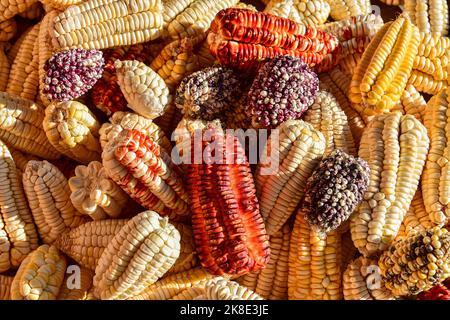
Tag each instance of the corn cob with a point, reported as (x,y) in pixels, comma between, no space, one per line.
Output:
(395,147)
(176,61)
(195,20)
(412,102)
(344,9)
(86,243)
(326,116)
(362,281)
(12,52)
(308,12)
(271,282)
(69,292)
(125,120)
(94,194)
(439,292)
(223,289)
(314,265)
(298,152)
(21,158)
(426,83)
(138,265)
(5,287)
(172,8)
(8,29)
(23,74)
(10,8)
(40,275)
(4,68)
(380,86)
(188,258)
(34,12)
(174,284)
(226,188)
(416,263)
(61,4)
(144,171)
(145,91)
(242,38)
(48,196)
(430,16)
(73,130)
(100,24)
(205,58)
(433,55)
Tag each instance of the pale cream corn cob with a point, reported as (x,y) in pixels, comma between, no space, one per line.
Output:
(8,29)
(224,289)
(343,9)
(34,12)
(314,263)
(4,67)
(101,24)
(298,151)
(94,194)
(10,8)
(23,75)
(271,282)
(362,281)
(308,12)
(40,275)
(138,255)
(382,74)
(188,257)
(395,147)
(326,116)
(86,243)
(21,126)
(425,83)
(430,16)
(412,102)
(73,130)
(145,91)
(5,287)
(70,290)
(127,120)
(48,195)
(172,8)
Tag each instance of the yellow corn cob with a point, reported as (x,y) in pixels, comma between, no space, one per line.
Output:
(10,8)
(73,130)
(425,83)
(60,4)
(5,287)
(435,189)
(4,68)
(298,152)
(343,9)
(126,120)
(68,292)
(393,2)
(40,275)
(33,12)
(8,29)
(349,63)
(308,12)
(194,21)
(395,147)
(94,194)
(12,52)
(271,282)
(314,263)
(348,250)
(86,243)
(21,158)
(23,74)
(362,281)
(187,259)
(145,91)
(433,56)
(430,16)
(326,116)
(127,266)
(384,69)
(100,24)
(48,195)
(176,61)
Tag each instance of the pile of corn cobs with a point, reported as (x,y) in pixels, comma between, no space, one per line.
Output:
(349,199)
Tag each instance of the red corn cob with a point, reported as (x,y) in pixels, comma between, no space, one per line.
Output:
(439,292)
(228,229)
(241,38)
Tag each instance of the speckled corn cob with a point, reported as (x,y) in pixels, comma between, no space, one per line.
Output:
(40,275)
(145,171)
(300,149)
(188,256)
(139,265)
(344,9)
(73,130)
(412,102)
(8,29)
(100,24)
(86,243)
(4,68)
(314,263)
(125,120)
(271,282)
(384,69)
(395,147)
(416,263)
(326,116)
(224,206)
(362,281)
(145,91)
(308,12)
(5,287)
(66,292)
(10,8)
(430,16)
(94,194)
(21,126)
(48,196)
(232,43)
